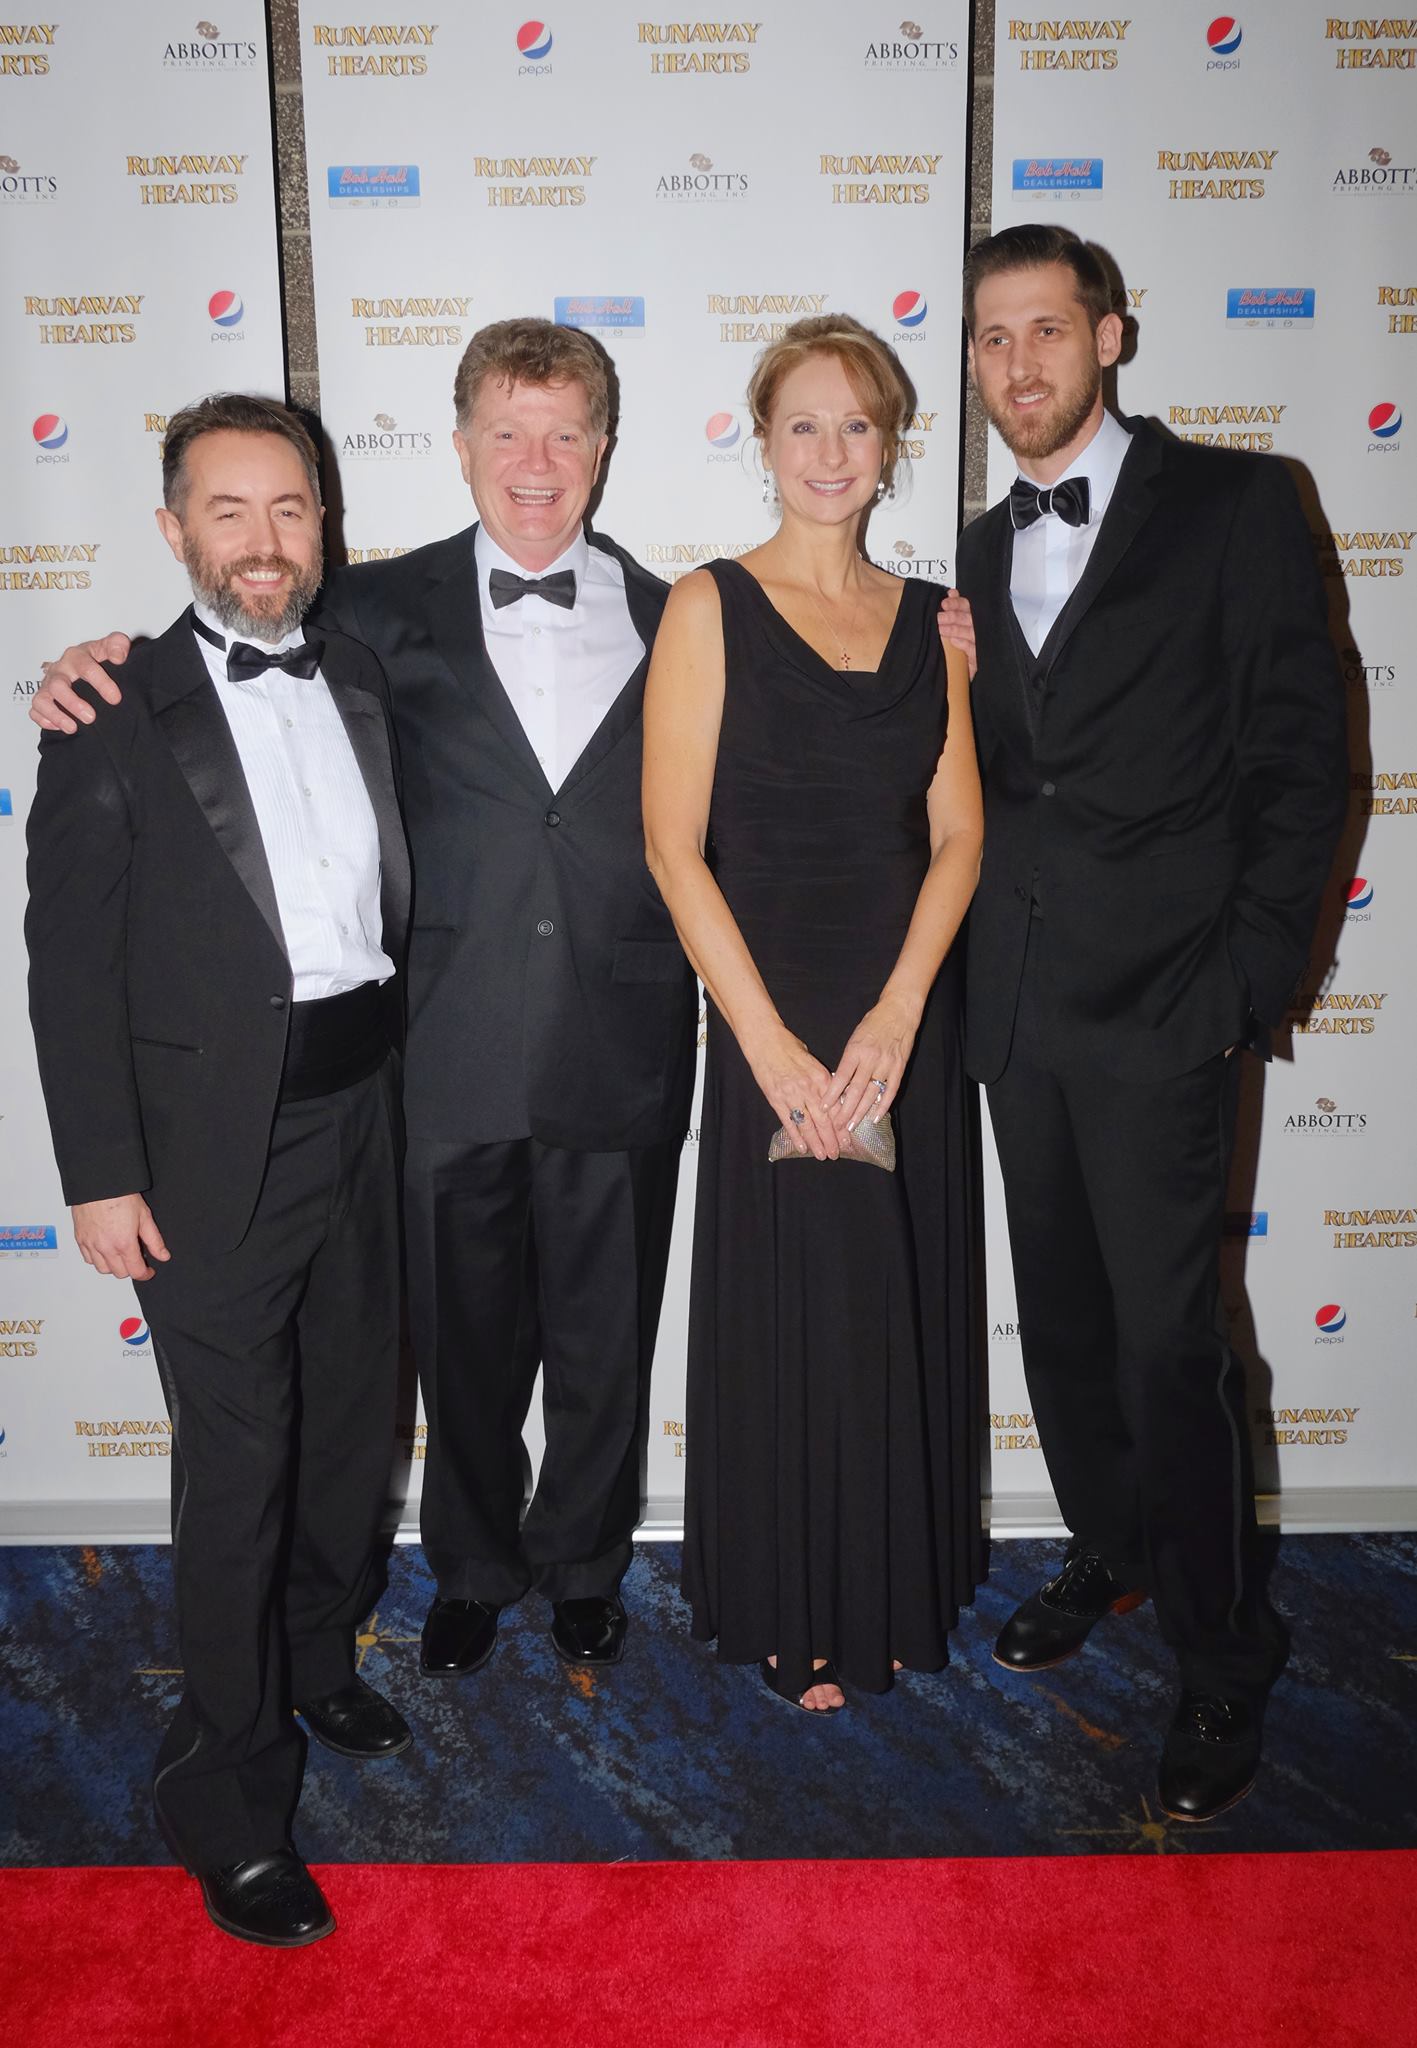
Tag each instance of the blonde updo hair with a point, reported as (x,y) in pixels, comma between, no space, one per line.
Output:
(873,370)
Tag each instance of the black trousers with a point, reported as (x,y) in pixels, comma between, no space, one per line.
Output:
(279,1364)
(521,1255)
(1115,1192)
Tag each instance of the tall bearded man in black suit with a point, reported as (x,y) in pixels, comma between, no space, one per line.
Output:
(218,903)
(1160,724)
(551,1032)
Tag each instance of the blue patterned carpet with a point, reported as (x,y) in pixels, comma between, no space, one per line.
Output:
(670,1755)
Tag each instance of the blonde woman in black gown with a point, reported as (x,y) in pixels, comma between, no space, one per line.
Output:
(813,820)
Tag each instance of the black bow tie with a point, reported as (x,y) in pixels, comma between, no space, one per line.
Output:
(1071,500)
(243,660)
(509,589)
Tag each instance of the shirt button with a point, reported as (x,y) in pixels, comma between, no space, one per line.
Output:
(277,1002)
(290,725)
(553,817)
(540,692)
(545,928)
(1050,789)
(323,862)
(537,631)
(307,792)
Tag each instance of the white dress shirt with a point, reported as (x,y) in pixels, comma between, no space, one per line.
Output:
(316,821)
(562,670)
(1050,555)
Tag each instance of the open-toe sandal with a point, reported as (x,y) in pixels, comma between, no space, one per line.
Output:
(792,1686)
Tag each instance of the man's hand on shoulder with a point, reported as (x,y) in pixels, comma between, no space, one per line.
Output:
(114,1237)
(956,622)
(56,706)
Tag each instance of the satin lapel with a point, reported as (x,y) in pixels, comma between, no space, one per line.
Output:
(1011,687)
(365,723)
(194,726)
(1133,501)
(455,625)
(646,607)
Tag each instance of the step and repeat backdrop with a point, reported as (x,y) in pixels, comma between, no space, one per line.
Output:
(138,269)
(1254,179)
(685,188)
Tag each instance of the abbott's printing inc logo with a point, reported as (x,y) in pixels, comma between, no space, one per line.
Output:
(903,561)
(381,49)
(1378,174)
(384,440)
(207,49)
(911,49)
(703,183)
(879,178)
(1326,1118)
(25,188)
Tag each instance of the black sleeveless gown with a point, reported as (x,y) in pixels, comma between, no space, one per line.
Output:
(834,1406)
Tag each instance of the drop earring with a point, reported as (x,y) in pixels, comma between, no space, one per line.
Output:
(770,496)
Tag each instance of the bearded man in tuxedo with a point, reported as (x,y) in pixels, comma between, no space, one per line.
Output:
(1160,723)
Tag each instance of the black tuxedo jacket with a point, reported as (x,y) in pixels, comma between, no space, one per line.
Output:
(1167,779)
(160,990)
(548,994)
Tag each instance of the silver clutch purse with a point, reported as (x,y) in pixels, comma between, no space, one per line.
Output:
(870,1144)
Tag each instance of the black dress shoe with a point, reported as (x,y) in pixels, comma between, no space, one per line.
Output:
(1211,1754)
(1055,1623)
(459,1635)
(356,1721)
(589,1631)
(269,1899)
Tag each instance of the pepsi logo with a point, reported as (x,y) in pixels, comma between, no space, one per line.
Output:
(721,430)
(226,309)
(1224,35)
(1384,421)
(133,1330)
(50,431)
(1330,1319)
(908,309)
(1360,893)
(534,40)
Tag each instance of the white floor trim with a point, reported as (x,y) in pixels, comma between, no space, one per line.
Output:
(1305,1511)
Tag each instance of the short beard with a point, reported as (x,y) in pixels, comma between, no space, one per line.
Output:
(216,588)
(1037,437)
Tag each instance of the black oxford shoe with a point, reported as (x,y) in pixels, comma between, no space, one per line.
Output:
(1058,1619)
(1210,1758)
(272,1900)
(589,1631)
(356,1721)
(459,1635)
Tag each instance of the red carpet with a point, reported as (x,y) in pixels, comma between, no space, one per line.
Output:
(1186,1951)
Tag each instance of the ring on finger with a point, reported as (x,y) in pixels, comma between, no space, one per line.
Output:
(879,1086)
(799,1116)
